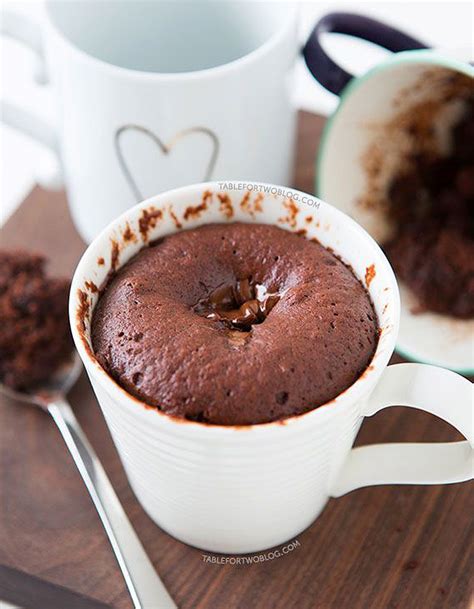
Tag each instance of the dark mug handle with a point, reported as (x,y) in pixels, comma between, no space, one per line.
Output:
(325,70)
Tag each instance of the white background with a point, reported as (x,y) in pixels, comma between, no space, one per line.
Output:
(445,25)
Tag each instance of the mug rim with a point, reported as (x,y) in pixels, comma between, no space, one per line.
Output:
(262,50)
(136,407)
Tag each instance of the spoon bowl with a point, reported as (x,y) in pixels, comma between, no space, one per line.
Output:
(58,385)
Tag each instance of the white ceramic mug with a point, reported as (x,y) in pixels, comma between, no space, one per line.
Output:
(352,134)
(357,134)
(155,95)
(243,489)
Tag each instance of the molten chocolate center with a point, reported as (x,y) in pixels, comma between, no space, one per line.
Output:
(238,305)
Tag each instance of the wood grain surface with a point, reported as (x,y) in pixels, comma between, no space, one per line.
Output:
(391,547)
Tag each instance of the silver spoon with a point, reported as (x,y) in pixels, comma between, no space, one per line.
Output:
(145,587)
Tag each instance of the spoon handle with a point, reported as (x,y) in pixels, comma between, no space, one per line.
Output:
(145,587)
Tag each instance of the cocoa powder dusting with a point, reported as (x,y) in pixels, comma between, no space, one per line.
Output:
(83,315)
(257,203)
(148,220)
(91,286)
(225,206)
(252,207)
(369,275)
(83,310)
(174,217)
(244,204)
(194,211)
(292,210)
(114,255)
(128,234)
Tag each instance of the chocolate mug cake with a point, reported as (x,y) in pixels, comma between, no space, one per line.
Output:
(431,205)
(35,339)
(234,324)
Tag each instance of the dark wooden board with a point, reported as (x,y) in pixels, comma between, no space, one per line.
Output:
(377,548)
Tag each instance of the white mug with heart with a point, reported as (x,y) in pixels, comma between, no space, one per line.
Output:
(154,95)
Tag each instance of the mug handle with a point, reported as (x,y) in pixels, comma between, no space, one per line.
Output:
(25,30)
(435,390)
(326,71)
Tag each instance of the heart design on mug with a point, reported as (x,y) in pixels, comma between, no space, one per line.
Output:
(165,148)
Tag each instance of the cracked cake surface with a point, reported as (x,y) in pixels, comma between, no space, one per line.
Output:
(234,324)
